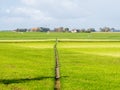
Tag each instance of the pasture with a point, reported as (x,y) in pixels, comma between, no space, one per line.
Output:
(54,35)
(90,65)
(88,61)
(26,66)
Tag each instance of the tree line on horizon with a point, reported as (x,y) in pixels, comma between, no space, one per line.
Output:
(62,29)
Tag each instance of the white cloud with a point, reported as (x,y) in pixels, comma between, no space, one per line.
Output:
(13,20)
(29,2)
(61,12)
(26,12)
(63,9)
(8,10)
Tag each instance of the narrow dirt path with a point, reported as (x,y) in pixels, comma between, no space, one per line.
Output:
(57,69)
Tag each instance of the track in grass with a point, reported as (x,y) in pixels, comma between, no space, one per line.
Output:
(57,68)
(87,65)
(28,52)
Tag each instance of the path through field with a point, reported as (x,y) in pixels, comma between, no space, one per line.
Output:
(57,67)
(84,65)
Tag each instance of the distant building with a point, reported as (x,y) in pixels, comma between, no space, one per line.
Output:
(35,30)
(73,30)
(60,29)
(40,29)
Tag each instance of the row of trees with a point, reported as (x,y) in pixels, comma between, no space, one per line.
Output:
(39,29)
(106,29)
(62,29)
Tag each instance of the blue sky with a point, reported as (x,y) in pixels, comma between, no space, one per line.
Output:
(56,13)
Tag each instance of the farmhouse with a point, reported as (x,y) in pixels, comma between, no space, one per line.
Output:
(35,30)
(60,29)
(74,31)
(40,29)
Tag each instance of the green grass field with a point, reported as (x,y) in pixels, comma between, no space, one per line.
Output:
(90,65)
(39,36)
(87,62)
(26,66)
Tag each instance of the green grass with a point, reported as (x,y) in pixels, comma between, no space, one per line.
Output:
(52,35)
(90,65)
(26,66)
(84,65)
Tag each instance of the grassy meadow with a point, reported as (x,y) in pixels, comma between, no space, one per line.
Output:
(88,61)
(90,65)
(26,66)
(54,35)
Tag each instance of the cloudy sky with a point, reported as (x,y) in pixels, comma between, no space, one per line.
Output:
(56,13)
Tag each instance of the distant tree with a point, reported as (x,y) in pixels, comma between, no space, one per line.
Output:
(105,29)
(43,29)
(101,30)
(91,29)
(21,30)
(66,29)
(82,30)
(78,30)
(113,29)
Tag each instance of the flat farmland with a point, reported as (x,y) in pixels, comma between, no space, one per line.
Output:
(89,65)
(88,61)
(27,66)
(59,35)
